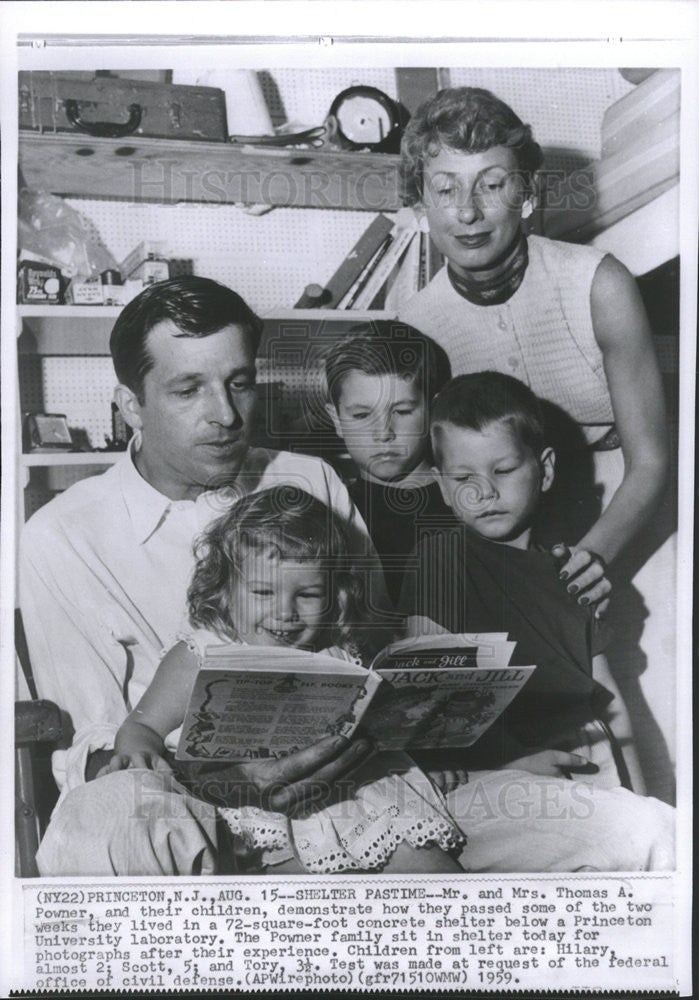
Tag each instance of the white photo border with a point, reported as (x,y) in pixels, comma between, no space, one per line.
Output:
(585,34)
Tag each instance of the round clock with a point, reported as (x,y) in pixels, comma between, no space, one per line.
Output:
(366,118)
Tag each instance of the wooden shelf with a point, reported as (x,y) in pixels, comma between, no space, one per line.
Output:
(85,330)
(110,313)
(167,170)
(70,458)
(70,312)
(341,315)
(65,329)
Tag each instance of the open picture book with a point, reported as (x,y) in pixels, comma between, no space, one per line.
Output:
(434,691)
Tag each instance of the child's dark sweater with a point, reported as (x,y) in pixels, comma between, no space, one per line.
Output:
(396,517)
(467,584)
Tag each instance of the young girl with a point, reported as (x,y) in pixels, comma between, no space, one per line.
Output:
(272,572)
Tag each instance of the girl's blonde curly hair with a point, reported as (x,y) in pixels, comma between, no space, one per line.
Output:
(294,526)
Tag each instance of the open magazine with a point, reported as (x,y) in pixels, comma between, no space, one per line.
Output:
(434,691)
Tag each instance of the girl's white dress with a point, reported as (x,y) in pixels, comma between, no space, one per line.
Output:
(388,800)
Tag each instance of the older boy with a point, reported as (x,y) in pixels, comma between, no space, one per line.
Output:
(381,377)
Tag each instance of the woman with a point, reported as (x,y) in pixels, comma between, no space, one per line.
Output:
(567,320)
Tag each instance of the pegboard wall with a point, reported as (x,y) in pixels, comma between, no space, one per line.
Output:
(564,106)
(303,97)
(83,389)
(80,387)
(269,259)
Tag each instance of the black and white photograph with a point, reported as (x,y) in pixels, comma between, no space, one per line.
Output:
(348,409)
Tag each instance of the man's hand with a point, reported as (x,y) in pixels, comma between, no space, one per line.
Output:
(552,763)
(583,574)
(122,761)
(447,781)
(288,785)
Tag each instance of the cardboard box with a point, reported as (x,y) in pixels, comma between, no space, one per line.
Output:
(151,271)
(39,283)
(85,293)
(177,266)
(146,250)
(119,295)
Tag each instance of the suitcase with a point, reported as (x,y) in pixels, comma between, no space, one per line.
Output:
(114,107)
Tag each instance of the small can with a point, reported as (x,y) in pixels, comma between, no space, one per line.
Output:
(111,278)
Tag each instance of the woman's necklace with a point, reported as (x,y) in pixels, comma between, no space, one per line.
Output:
(498,282)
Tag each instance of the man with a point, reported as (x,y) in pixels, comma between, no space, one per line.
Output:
(105,566)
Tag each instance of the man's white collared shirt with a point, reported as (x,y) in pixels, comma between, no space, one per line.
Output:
(104,570)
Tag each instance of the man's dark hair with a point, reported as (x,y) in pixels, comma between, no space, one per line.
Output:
(386,347)
(196,306)
(469,120)
(477,400)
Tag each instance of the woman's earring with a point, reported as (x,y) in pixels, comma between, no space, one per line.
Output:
(527,217)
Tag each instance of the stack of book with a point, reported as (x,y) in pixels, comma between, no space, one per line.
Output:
(390,261)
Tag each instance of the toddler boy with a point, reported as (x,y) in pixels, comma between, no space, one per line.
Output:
(483,574)
(381,377)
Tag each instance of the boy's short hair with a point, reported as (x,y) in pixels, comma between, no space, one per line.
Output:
(386,347)
(197,306)
(482,398)
(469,120)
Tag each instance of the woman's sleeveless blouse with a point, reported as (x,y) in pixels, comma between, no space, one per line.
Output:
(543,335)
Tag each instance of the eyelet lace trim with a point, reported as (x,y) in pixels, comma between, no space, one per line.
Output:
(372,851)
(329,841)
(258,828)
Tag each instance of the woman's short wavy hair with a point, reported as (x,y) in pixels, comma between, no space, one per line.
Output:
(469,120)
(294,526)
